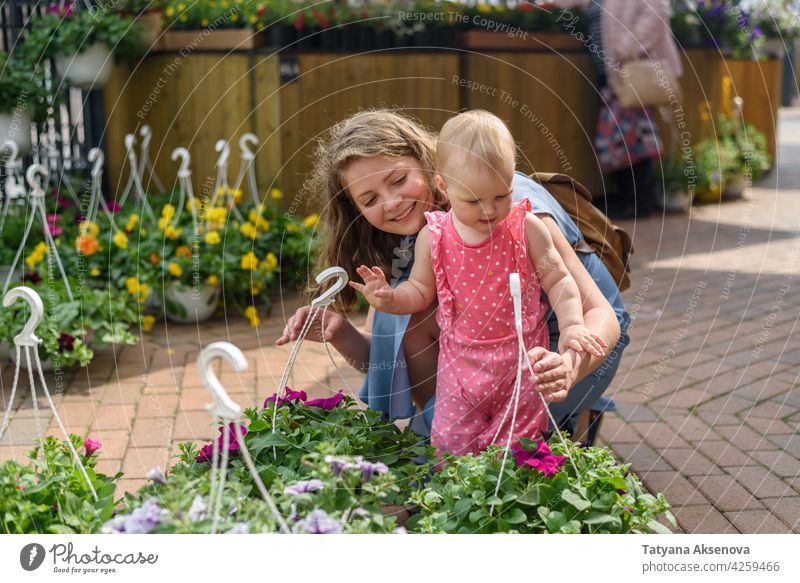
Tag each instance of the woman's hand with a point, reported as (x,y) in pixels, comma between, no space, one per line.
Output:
(553,373)
(334,324)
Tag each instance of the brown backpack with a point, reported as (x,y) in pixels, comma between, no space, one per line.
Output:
(612,243)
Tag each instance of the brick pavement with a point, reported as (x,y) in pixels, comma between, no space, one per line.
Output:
(708,410)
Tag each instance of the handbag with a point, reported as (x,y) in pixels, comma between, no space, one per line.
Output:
(643,82)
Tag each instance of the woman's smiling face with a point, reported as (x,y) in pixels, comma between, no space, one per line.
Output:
(391,193)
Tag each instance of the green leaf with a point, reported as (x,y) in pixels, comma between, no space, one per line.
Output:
(555,520)
(516,516)
(602,518)
(574,500)
(60,529)
(657,527)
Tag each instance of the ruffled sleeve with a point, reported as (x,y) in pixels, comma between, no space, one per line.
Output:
(436,228)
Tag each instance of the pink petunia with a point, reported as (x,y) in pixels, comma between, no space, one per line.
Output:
(328,403)
(114,207)
(540,459)
(207,451)
(91,446)
(288,397)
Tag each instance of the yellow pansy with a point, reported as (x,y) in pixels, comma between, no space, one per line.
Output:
(222,190)
(252,19)
(181,7)
(262,224)
(213,280)
(234,18)
(291,228)
(120,239)
(132,285)
(485,8)
(183,251)
(174,269)
(170,11)
(37,255)
(255,289)
(168,211)
(172,232)
(184,18)
(213,238)
(251,314)
(270,263)
(311,220)
(191,205)
(163,222)
(217,214)
(133,220)
(249,261)
(253,216)
(89,227)
(276,194)
(94,272)
(148,322)
(237,195)
(204,22)
(248,230)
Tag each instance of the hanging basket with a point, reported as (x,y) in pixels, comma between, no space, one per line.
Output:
(16,126)
(90,69)
(189,305)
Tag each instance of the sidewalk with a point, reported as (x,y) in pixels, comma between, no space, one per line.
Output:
(706,408)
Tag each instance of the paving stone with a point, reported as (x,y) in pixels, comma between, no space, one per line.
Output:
(703,519)
(677,489)
(690,462)
(193,425)
(725,492)
(158,405)
(789,443)
(641,456)
(114,417)
(770,426)
(152,432)
(631,412)
(759,481)
(779,463)
(659,435)
(689,426)
(744,438)
(769,410)
(115,442)
(723,453)
(140,460)
(787,508)
(757,522)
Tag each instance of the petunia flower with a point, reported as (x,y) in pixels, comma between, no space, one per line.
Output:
(207,451)
(368,469)
(337,465)
(198,510)
(328,403)
(318,522)
(114,206)
(66,342)
(541,459)
(141,521)
(91,446)
(239,528)
(304,487)
(288,397)
(157,475)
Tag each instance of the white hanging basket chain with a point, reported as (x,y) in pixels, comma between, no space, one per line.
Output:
(516,295)
(144,159)
(28,340)
(225,410)
(38,210)
(14,185)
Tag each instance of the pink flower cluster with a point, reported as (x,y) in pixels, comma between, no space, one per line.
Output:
(325,404)
(540,459)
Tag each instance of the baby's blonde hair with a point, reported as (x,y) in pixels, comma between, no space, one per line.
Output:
(476,136)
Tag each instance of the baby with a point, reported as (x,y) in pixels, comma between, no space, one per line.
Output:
(464,257)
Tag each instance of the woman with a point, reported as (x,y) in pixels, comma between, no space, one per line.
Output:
(375,176)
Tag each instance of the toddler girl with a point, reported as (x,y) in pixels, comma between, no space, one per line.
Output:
(465,257)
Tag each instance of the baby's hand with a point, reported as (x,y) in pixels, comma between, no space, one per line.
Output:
(581,339)
(375,288)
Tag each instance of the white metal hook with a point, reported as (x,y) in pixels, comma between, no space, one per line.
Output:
(33,180)
(244,145)
(27,337)
(11,145)
(186,158)
(130,143)
(326,299)
(225,149)
(223,406)
(146,134)
(96,155)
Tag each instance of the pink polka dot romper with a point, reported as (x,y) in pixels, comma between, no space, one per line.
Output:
(478,345)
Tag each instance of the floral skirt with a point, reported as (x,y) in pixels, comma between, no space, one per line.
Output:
(625,135)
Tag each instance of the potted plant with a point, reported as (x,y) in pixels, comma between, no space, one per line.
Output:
(748,152)
(210,25)
(673,185)
(81,43)
(22,101)
(148,15)
(713,159)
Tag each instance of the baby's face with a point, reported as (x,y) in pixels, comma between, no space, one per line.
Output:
(479,196)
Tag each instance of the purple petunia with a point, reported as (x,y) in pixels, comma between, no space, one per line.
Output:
(368,469)
(207,451)
(304,487)
(337,465)
(141,521)
(318,522)
(66,342)
(328,403)
(540,459)
(288,397)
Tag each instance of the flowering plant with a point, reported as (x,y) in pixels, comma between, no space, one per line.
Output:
(214,14)
(21,87)
(70,29)
(49,493)
(540,493)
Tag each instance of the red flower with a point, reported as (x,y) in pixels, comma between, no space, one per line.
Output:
(262,9)
(300,20)
(524,7)
(542,459)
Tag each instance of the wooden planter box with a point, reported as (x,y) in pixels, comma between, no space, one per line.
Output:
(242,39)
(481,40)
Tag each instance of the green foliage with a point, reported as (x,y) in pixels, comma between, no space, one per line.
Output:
(49,494)
(601,498)
(21,89)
